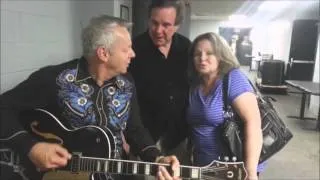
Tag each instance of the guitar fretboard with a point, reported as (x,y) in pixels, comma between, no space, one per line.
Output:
(115,166)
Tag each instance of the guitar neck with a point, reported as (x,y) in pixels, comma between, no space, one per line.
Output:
(115,166)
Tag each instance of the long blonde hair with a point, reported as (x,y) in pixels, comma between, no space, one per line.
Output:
(222,51)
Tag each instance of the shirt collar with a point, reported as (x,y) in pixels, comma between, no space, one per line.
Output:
(83,74)
(174,42)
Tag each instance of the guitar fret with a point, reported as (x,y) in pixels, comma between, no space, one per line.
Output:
(98,166)
(147,169)
(106,163)
(135,168)
(195,173)
(119,167)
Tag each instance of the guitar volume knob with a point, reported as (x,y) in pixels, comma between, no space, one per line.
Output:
(226,158)
(234,159)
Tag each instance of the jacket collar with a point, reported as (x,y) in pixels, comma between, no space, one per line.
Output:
(82,70)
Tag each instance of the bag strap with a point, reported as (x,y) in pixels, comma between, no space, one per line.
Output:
(225,88)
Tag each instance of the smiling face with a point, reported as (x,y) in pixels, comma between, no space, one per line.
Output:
(204,58)
(121,52)
(162,25)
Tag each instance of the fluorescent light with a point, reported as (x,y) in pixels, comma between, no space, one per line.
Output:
(274,5)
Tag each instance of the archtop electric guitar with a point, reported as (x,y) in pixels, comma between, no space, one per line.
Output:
(93,152)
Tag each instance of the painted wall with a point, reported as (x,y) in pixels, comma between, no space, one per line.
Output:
(34,34)
(198,27)
(273,36)
(184,27)
(118,3)
(140,16)
(314,102)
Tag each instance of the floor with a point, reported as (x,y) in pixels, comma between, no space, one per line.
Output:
(300,157)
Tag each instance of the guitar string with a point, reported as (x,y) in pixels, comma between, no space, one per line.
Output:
(213,170)
(217,169)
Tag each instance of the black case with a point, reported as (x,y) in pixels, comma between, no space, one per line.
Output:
(272,72)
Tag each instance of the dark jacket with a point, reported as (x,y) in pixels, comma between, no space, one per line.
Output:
(69,92)
(162,87)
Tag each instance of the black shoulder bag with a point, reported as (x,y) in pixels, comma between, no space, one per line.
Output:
(275,133)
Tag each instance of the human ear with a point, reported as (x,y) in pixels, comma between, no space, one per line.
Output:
(103,54)
(176,27)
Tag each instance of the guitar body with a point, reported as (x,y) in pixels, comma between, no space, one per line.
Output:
(93,154)
(88,140)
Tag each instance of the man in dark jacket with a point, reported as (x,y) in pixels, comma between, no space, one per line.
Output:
(92,90)
(160,73)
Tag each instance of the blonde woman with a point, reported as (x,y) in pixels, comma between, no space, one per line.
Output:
(212,59)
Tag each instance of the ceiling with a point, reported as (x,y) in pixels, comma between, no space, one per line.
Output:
(222,9)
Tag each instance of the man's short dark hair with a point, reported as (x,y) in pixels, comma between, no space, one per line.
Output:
(178,5)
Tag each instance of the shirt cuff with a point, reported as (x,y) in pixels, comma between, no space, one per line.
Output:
(23,143)
(150,153)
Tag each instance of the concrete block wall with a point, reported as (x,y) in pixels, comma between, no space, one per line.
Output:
(36,33)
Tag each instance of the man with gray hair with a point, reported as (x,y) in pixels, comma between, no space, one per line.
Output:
(92,90)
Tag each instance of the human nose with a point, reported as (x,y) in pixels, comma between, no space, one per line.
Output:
(203,56)
(133,54)
(158,29)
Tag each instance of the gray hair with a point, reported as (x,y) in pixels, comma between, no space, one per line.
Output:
(178,5)
(100,33)
(222,51)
